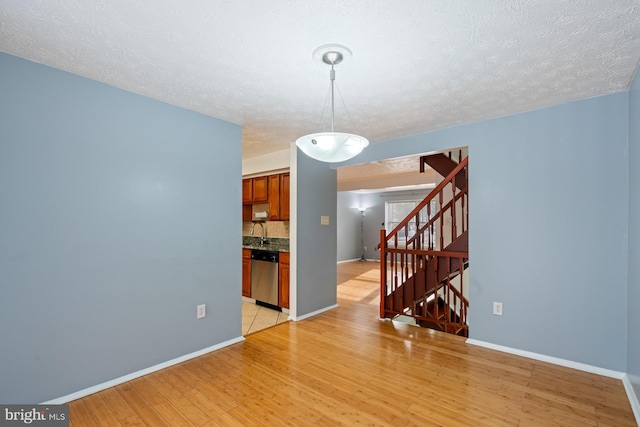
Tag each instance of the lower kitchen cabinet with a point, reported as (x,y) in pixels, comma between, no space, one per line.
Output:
(283,280)
(246,273)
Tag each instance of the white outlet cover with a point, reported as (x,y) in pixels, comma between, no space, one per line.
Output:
(497,308)
(324,220)
(201,311)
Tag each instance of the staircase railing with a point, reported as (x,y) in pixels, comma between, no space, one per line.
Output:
(423,258)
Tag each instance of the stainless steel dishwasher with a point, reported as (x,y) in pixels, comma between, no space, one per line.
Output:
(264,277)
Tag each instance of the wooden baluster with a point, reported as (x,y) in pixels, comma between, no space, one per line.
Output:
(402,278)
(383,273)
(464,214)
(466,195)
(429,243)
(440,220)
(462,319)
(454,233)
(435,288)
(417,241)
(448,292)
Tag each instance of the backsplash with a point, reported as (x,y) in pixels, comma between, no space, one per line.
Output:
(272,229)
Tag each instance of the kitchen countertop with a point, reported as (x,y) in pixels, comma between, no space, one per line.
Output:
(273,243)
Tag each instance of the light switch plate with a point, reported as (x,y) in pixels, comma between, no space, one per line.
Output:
(324,220)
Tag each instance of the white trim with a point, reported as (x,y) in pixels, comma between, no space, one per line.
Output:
(358,259)
(549,359)
(633,399)
(112,383)
(293,230)
(314,313)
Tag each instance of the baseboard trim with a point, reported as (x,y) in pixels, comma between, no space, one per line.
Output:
(112,383)
(357,259)
(314,313)
(549,359)
(633,398)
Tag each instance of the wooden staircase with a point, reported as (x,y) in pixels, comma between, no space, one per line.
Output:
(423,260)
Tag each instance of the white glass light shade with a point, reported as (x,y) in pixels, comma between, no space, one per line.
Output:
(332,146)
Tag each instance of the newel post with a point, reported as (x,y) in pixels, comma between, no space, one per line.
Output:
(383,271)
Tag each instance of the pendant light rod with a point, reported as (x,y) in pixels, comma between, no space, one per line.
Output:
(332,76)
(332,58)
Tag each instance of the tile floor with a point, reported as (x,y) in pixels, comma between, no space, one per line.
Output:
(256,317)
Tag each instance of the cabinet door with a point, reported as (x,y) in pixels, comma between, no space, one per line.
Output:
(274,197)
(283,280)
(246,273)
(284,197)
(246,212)
(247,190)
(260,194)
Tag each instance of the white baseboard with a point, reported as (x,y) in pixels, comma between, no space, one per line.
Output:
(549,359)
(348,260)
(315,313)
(358,259)
(631,395)
(112,383)
(633,398)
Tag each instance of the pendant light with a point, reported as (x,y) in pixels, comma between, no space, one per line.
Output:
(332,146)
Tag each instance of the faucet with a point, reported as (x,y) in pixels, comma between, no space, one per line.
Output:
(263,238)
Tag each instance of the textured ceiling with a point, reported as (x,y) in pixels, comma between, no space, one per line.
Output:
(417,65)
(400,172)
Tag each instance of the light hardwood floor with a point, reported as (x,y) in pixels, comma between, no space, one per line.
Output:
(346,367)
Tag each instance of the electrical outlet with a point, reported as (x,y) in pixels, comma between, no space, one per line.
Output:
(497,308)
(201,311)
(324,220)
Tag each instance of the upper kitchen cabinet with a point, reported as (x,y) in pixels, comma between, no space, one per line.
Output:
(254,190)
(284,197)
(260,192)
(274,197)
(271,189)
(247,190)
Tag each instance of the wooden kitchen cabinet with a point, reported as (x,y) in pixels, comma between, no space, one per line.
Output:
(283,280)
(247,214)
(284,197)
(247,191)
(274,197)
(271,189)
(260,190)
(246,273)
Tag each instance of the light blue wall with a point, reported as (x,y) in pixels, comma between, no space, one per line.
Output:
(633,301)
(119,215)
(349,235)
(548,226)
(316,244)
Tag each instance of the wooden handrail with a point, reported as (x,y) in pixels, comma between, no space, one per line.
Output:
(448,254)
(427,199)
